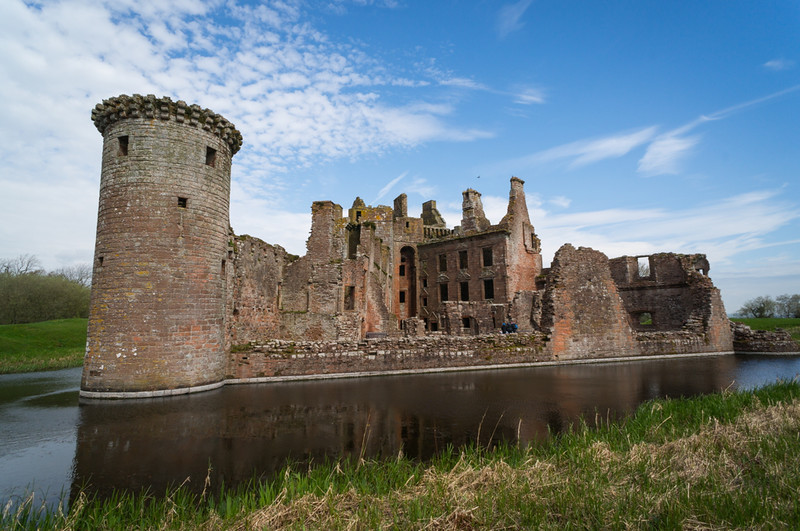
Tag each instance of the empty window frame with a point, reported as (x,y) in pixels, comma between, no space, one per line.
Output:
(349,297)
(488,258)
(488,288)
(643,269)
(424,301)
(645,319)
(464,291)
(442,262)
(402,297)
(424,282)
(465,322)
(183,202)
(402,270)
(122,146)
(443,292)
(462,259)
(211,157)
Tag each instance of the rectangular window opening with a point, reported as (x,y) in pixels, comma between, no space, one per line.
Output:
(643,266)
(462,259)
(488,288)
(183,202)
(402,270)
(442,292)
(223,268)
(100,261)
(424,301)
(434,326)
(402,297)
(211,157)
(442,262)
(349,297)
(488,259)
(465,291)
(465,322)
(123,146)
(646,319)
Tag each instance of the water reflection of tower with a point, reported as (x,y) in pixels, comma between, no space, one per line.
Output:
(157,313)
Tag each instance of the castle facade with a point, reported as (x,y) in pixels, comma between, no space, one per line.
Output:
(180,303)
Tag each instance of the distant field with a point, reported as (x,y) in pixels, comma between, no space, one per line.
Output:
(771,323)
(42,346)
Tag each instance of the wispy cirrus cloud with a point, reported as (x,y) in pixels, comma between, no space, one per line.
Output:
(667,151)
(508,18)
(583,152)
(779,64)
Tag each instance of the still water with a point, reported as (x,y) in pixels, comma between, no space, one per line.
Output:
(50,444)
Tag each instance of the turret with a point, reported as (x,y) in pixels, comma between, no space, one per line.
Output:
(157,321)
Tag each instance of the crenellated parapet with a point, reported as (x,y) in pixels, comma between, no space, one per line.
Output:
(153,108)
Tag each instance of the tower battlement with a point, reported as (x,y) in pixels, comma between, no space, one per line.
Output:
(124,107)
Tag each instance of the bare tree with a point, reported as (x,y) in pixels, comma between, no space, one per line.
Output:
(23,264)
(788,305)
(80,273)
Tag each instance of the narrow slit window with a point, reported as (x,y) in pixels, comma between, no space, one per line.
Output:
(349,297)
(183,202)
(100,261)
(211,157)
(123,146)
(424,301)
(465,291)
(222,269)
(402,297)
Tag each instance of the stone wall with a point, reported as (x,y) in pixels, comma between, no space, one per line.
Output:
(746,340)
(295,358)
(582,311)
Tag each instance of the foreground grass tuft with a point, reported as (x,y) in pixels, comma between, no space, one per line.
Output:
(44,346)
(728,460)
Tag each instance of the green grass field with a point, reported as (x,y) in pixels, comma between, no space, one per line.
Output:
(771,323)
(42,346)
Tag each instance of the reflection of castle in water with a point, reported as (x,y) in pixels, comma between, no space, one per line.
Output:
(236,433)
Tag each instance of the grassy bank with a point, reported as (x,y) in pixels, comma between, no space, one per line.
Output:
(771,323)
(720,461)
(42,346)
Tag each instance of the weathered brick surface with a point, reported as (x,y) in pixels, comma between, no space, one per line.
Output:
(158,309)
(582,310)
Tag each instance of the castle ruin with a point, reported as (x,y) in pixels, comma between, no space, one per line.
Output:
(181,304)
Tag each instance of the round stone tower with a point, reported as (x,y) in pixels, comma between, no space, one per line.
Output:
(157,318)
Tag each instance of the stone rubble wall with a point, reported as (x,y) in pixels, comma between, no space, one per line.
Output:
(296,358)
(745,339)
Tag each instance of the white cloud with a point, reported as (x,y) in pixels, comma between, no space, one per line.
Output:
(663,155)
(587,151)
(385,190)
(508,19)
(779,64)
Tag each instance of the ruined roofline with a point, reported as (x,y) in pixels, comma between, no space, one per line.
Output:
(493,229)
(124,107)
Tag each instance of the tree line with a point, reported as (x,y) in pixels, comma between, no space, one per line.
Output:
(780,306)
(30,294)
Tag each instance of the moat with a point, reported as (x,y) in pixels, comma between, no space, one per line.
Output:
(52,444)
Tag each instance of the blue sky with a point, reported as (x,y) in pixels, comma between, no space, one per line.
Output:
(638,126)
